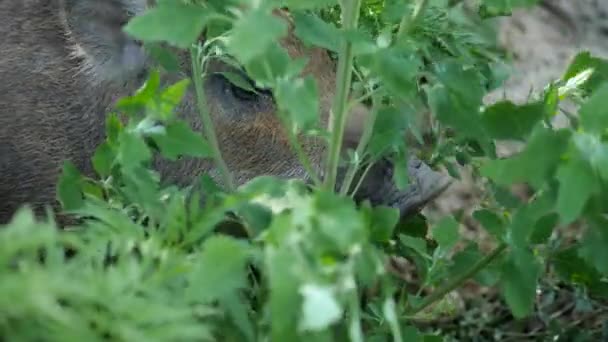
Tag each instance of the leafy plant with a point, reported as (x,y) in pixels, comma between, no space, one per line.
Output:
(147,262)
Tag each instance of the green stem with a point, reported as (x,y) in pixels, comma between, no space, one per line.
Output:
(300,154)
(458,281)
(365,137)
(208,126)
(408,23)
(338,115)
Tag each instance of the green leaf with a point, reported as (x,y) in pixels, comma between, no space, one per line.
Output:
(578,183)
(594,112)
(169,98)
(397,67)
(466,259)
(505,120)
(457,101)
(220,269)
(417,244)
(383,222)
(69,187)
(493,223)
(103,159)
(254,33)
(132,150)
(389,128)
(165,57)
(534,164)
(593,247)
(312,30)
(518,283)
(300,99)
(593,150)
(320,308)
(583,61)
(446,234)
(179,139)
(173,22)
(572,268)
(544,228)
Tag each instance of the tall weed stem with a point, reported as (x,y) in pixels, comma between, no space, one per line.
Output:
(208,127)
(338,115)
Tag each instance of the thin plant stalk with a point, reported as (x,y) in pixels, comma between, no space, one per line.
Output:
(208,126)
(338,115)
(409,22)
(365,137)
(458,281)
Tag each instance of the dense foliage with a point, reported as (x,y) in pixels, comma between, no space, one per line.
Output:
(148,265)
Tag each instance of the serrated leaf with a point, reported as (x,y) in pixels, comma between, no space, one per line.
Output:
(254,33)
(312,30)
(173,22)
(180,140)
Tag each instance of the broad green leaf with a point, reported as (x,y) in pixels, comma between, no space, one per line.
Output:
(320,308)
(505,120)
(518,283)
(583,61)
(457,100)
(594,112)
(544,228)
(132,150)
(103,159)
(593,150)
(578,183)
(179,140)
(389,128)
(383,222)
(300,99)
(312,30)
(220,269)
(417,244)
(284,300)
(254,33)
(493,223)
(69,187)
(446,234)
(397,67)
(173,22)
(534,164)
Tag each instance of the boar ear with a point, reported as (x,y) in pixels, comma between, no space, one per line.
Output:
(95,31)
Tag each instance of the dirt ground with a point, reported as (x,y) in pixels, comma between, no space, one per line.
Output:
(543,41)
